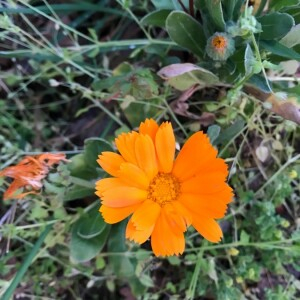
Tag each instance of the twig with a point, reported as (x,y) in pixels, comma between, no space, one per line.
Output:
(183,7)
(191,5)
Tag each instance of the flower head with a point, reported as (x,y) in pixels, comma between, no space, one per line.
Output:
(29,173)
(220,46)
(164,195)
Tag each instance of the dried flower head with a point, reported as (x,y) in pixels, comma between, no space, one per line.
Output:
(220,46)
(29,173)
(164,195)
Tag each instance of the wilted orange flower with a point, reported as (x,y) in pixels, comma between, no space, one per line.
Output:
(28,174)
(163,195)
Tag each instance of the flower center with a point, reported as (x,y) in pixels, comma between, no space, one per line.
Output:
(219,42)
(164,188)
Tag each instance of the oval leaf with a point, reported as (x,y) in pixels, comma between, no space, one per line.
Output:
(184,76)
(82,250)
(275,25)
(91,225)
(186,32)
(215,10)
(292,38)
(121,264)
(279,49)
(156,18)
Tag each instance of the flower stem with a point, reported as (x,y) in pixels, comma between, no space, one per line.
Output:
(191,5)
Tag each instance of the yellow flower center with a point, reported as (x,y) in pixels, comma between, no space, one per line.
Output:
(219,42)
(164,188)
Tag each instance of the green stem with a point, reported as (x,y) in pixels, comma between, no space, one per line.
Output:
(27,262)
(258,57)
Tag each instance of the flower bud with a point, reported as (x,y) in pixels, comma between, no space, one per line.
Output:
(220,46)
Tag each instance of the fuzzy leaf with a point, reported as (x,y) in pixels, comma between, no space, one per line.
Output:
(292,38)
(275,25)
(186,32)
(156,18)
(216,13)
(279,49)
(184,76)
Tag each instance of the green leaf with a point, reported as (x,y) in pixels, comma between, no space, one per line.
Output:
(229,6)
(121,264)
(186,32)
(275,25)
(260,82)
(92,148)
(244,238)
(156,18)
(78,192)
(91,225)
(213,132)
(184,76)
(292,38)
(237,9)
(249,60)
(279,49)
(84,165)
(85,244)
(169,4)
(279,4)
(216,13)
(230,132)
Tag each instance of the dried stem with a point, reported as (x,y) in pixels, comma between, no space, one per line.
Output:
(183,7)
(191,5)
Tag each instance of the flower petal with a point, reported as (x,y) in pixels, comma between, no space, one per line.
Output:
(105,184)
(184,212)
(133,176)
(164,241)
(110,162)
(125,143)
(204,184)
(123,196)
(146,216)
(145,154)
(202,206)
(165,147)
(149,127)
(112,215)
(196,152)
(138,236)
(208,228)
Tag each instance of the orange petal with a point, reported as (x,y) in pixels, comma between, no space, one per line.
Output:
(110,162)
(123,196)
(202,206)
(125,143)
(138,236)
(163,239)
(133,176)
(105,184)
(145,154)
(214,165)
(165,147)
(208,228)
(184,212)
(174,219)
(149,127)
(112,215)
(196,152)
(204,184)
(12,190)
(146,216)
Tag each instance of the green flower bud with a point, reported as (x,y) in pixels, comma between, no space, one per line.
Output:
(220,46)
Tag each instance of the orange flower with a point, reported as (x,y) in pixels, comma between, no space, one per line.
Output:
(28,174)
(163,195)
